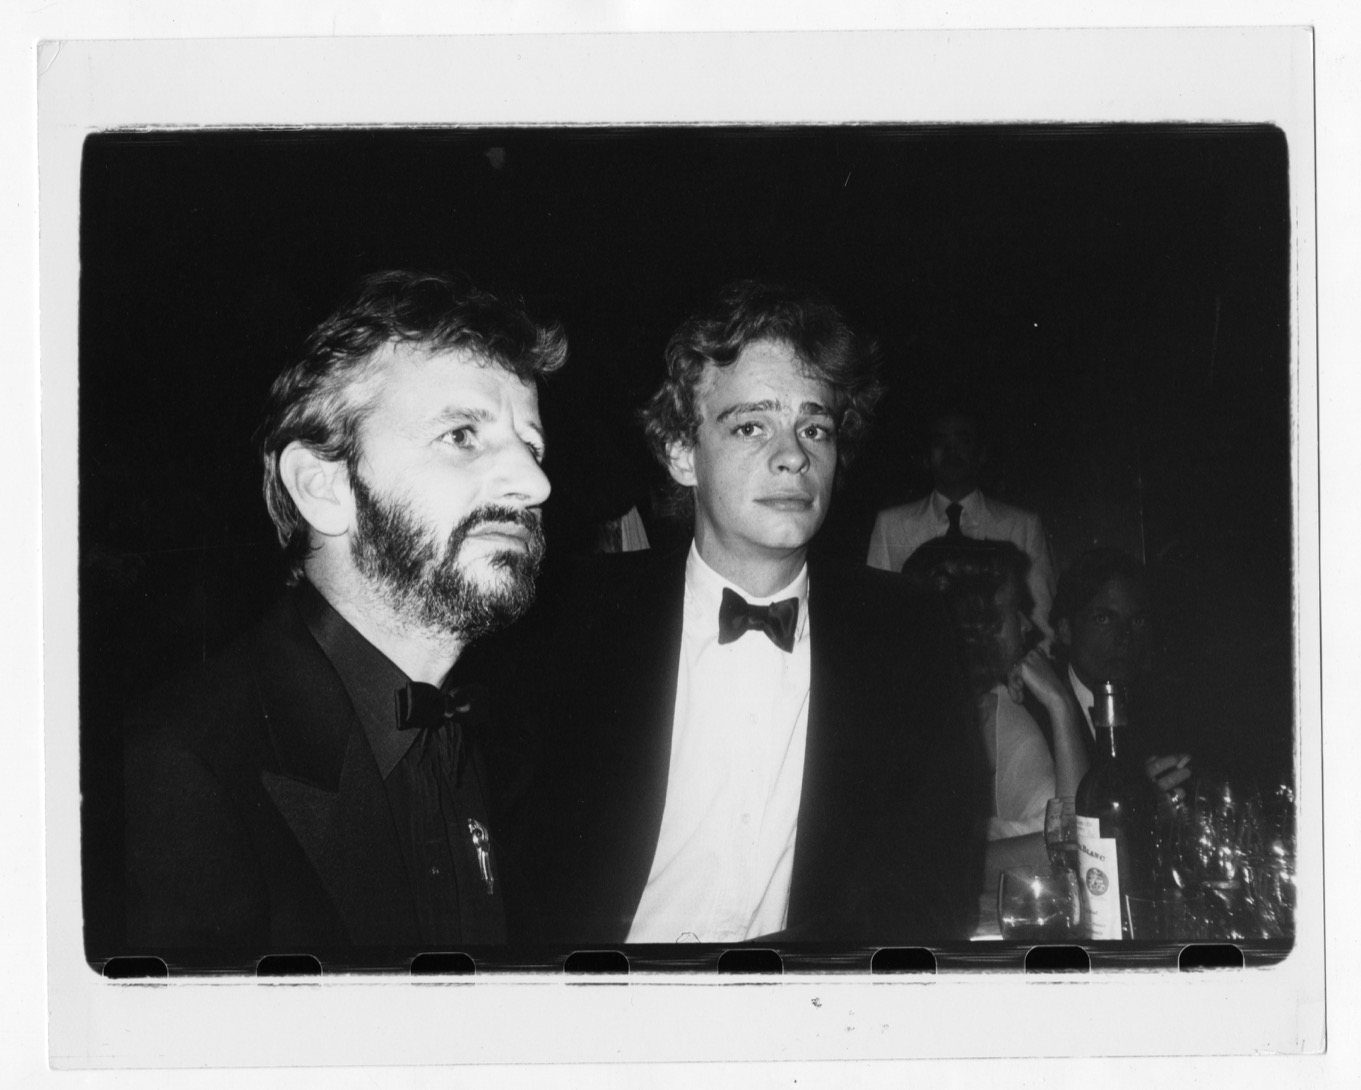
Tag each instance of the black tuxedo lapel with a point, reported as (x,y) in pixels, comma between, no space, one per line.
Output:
(886,765)
(328,790)
(651,622)
(345,835)
(834,681)
(606,704)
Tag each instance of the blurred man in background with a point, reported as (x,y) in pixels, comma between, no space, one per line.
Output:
(955,455)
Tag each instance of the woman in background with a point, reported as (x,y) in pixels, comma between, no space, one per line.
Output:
(982,584)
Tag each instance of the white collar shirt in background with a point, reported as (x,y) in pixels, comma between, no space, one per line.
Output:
(899,531)
(1085,699)
(972,515)
(725,853)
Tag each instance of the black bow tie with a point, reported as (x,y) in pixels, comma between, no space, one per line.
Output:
(778,620)
(441,714)
(426,707)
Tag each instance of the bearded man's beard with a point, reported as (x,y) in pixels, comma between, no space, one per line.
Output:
(422,581)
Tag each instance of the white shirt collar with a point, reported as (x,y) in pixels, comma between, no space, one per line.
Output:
(704,591)
(1085,699)
(972,503)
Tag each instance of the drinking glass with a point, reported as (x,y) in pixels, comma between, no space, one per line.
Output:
(1037,904)
(1168,918)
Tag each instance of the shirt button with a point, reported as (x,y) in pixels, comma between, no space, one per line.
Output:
(746,819)
(752,719)
(434,871)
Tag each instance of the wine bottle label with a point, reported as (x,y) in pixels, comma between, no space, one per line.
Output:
(1099,878)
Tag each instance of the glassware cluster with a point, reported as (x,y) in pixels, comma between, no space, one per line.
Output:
(1229,856)
(1222,870)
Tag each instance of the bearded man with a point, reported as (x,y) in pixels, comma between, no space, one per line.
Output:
(317,788)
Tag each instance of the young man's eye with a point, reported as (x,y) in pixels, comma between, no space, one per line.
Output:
(747,429)
(1101,617)
(819,432)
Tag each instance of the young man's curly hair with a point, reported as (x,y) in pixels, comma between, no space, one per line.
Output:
(748,312)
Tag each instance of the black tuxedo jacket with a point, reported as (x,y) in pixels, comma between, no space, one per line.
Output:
(887,849)
(256,817)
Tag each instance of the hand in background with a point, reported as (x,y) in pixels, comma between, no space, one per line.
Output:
(1167,775)
(1036,672)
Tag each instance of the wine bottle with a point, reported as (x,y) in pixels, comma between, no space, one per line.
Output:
(1115,815)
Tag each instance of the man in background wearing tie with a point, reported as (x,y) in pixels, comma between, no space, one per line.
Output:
(955,456)
(739,742)
(316,788)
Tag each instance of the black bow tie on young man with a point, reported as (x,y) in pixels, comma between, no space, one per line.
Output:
(441,715)
(778,620)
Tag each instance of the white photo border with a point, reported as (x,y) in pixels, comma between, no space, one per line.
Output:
(1261,74)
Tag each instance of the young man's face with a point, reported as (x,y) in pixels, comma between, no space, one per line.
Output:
(763,461)
(449,488)
(1109,639)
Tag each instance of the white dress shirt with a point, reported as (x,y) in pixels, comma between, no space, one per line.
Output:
(725,853)
(898,531)
(1023,770)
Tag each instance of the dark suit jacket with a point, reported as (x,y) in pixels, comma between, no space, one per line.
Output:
(887,849)
(256,817)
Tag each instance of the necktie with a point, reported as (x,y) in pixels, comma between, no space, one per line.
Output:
(778,620)
(952,513)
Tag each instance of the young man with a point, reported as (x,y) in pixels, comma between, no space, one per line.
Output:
(315,789)
(738,741)
(955,456)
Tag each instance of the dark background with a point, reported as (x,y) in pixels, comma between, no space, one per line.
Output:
(1115,300)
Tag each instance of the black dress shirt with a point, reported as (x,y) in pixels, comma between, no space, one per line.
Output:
(433,793)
